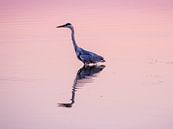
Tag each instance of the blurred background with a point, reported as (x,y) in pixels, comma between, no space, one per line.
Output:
(38,65)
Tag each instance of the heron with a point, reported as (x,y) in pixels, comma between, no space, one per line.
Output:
(83,55)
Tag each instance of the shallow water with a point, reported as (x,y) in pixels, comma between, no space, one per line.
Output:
(44,86)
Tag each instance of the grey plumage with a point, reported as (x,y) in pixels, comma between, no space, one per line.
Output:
(85,56)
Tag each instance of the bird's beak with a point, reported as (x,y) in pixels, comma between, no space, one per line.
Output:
(60,26)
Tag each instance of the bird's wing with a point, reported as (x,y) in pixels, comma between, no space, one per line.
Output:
(85,58)
(85,52)
(90,56)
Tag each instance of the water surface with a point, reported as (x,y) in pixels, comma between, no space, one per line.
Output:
(44,86)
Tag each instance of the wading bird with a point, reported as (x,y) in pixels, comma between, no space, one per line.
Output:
(85,56)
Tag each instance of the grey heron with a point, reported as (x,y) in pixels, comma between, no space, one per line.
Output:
(85,56)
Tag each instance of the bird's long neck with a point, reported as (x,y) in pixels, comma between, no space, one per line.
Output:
(73,39)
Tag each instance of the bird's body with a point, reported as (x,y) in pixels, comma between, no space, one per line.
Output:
(88,57)
(85,56)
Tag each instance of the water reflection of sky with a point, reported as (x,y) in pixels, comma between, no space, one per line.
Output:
(38,64)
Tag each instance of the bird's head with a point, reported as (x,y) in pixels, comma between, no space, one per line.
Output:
(67,25)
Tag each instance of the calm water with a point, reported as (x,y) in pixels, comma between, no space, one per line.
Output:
(44,86)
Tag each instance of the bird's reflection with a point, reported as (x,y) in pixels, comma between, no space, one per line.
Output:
(84,75)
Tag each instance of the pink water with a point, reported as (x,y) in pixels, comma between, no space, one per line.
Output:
(38,66)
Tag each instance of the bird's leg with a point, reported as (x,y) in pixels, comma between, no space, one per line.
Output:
(95,64)
(86,65)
